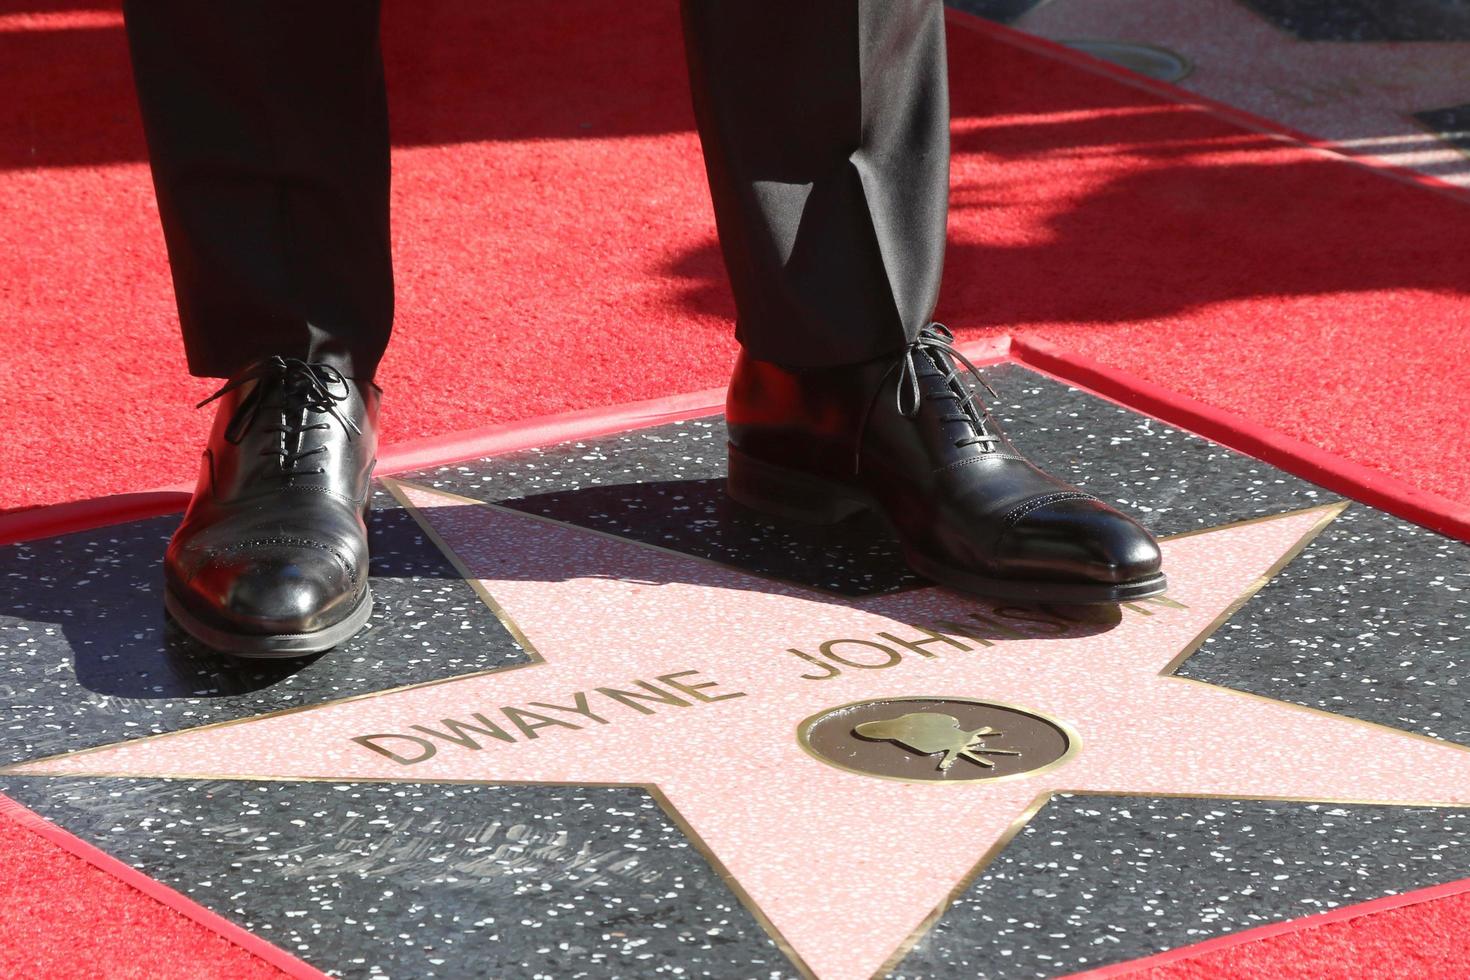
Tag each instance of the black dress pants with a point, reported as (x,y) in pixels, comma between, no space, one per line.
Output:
(825,127)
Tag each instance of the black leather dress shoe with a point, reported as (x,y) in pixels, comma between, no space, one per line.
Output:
(906,437)
(271,559)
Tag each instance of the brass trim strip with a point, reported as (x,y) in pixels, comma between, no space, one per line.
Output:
(1329,514)
(963,885)
(1336,506)
(395,487)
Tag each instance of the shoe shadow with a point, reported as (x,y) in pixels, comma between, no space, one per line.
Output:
(103,590)
(856,563)
(104,594)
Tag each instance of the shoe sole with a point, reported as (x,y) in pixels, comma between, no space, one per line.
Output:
(806,499)
(265,646)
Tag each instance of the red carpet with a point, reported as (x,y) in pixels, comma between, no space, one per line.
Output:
(66,918)
(1423,939)
(550,210)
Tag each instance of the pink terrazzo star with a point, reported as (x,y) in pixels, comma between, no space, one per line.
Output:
(844,869)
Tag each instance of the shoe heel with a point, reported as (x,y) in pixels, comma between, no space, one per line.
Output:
(787,493)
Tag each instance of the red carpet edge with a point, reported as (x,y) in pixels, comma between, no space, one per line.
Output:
(81,515)
(1347,913)
(158,891)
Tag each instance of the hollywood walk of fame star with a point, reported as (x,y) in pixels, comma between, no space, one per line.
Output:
(845,871)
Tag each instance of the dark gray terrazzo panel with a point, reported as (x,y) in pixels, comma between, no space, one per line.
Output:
(664,486)
(1368,20)
(88,658)
(1098,880)
(1372,621)
(430,880)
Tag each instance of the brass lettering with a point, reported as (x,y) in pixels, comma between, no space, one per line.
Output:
(581,709)
(831,671)
(693,689)
(893,655)
(999,627)
(918,645)
(657,696)
(458,730)
(518,716)
(370,742)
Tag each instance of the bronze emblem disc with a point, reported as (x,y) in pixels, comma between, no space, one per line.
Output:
(937,739)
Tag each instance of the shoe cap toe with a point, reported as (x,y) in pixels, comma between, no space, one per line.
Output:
(285,591)
(1081,538)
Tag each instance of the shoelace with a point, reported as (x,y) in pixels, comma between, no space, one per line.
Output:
(305,388)
(910,395)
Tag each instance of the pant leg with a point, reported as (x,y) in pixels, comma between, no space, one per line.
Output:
(267,131)
(825,126)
